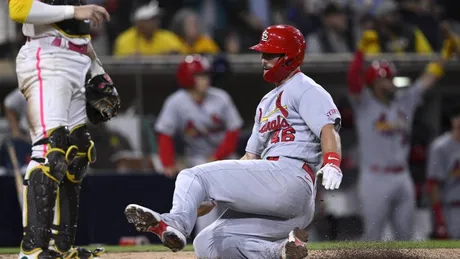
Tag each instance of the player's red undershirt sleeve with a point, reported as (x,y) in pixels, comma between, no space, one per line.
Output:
(436,207)
(166,149)
(354,75)
(228,144)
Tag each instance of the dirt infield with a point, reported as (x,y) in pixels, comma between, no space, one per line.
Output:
(319,254)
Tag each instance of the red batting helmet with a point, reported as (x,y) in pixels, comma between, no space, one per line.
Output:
(380,69)
(282,39)
(188,68)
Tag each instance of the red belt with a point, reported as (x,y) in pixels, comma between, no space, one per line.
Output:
(304,167)
(82,49)
(388,169)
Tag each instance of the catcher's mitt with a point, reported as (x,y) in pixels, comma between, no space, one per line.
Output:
(102,100)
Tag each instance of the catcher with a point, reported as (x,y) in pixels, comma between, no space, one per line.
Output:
(51,69)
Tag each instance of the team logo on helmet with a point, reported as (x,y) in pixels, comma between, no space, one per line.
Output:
(264,36)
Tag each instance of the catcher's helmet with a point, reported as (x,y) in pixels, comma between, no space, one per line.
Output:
(188,68)
(282,39)
(379,69)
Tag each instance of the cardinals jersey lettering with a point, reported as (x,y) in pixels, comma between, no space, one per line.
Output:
(384,130)
(444,166)
(289,120)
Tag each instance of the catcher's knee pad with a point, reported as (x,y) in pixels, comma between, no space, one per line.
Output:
(39,195)
(59,152)
(81,138)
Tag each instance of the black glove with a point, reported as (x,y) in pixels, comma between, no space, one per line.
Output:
(102,99)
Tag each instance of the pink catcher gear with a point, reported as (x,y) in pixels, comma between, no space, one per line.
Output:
(282,39)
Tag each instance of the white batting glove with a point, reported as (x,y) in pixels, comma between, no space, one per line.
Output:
(332,176)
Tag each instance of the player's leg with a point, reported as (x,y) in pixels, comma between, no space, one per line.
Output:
(240,235)
(279,189)
(206,220)
(375,204)
(453,221)
(66,217)
(403,208)
(48,97)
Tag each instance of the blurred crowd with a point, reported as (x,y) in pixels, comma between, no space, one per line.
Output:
(145,28)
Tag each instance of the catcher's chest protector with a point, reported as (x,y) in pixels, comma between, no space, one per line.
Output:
(72,26)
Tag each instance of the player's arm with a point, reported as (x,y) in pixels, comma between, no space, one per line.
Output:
(13,122)
(233,123)
(319,112)
(36,12)
(250,156)
(330,144)
(10,103)
(96,64)
(254,147)
(166,126)
(355,79)
(434,71)
(436,171)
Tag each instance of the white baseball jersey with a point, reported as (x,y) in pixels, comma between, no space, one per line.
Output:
(15,101)
(38,19)
(203,125)
(444,166)
(384,130)
(289,120)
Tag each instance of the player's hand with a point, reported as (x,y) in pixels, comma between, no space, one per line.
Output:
(451,42)
(368,38)
(205,208)
(332,176)
(171,171)
(95,13)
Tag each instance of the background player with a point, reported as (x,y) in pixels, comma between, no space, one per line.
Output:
(16,114)
(443,180)
(271,190)
(384,121)
(51,68)
(206,119)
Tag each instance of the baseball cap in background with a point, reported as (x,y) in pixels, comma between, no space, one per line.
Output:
(147,11)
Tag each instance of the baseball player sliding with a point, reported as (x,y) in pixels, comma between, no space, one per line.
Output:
(443,180)
(384,119)
(270,192)
(204,116)
(51,69)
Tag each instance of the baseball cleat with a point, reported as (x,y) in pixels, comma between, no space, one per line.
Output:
(40,254)
(296,245)
(83,253)
(146,220)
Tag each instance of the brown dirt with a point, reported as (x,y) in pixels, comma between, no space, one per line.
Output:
(317,254)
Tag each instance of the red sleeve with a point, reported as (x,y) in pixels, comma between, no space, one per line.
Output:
(354,76)
(436,207)
(228,145)
(166,149)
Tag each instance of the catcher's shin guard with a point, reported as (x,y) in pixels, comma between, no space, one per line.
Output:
(40,190)
(65,223)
